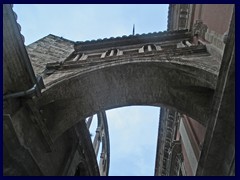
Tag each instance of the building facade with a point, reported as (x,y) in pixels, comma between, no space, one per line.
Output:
(181,138)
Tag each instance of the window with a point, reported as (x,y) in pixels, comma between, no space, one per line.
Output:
(149,48)
(112,52)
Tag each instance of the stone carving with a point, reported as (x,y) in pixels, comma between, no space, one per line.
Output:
(200,29)
(175,158)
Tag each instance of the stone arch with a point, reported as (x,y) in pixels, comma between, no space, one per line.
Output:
(186,88)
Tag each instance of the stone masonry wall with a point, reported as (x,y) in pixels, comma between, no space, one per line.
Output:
(49,49)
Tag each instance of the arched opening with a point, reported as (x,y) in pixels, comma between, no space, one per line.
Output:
(133,140)
(133,132)
(186,89)
(149,47)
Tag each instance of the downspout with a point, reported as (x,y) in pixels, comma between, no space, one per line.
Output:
(37,82)
(35,89)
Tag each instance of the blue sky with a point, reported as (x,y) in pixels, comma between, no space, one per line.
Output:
(133,130)
(133,140)
(86,22)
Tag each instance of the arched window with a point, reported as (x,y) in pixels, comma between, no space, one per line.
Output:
(80,56)
(74,57)
(148,48)
(112,52)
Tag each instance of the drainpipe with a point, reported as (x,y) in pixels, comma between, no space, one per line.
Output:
(35,90)
(36,81)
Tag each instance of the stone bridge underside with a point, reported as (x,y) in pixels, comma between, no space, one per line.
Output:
(45,133)
(184,83)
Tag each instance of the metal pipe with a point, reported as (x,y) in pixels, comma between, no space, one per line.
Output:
(28,64)
(21,93)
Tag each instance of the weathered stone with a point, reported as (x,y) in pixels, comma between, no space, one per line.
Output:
(47,135)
